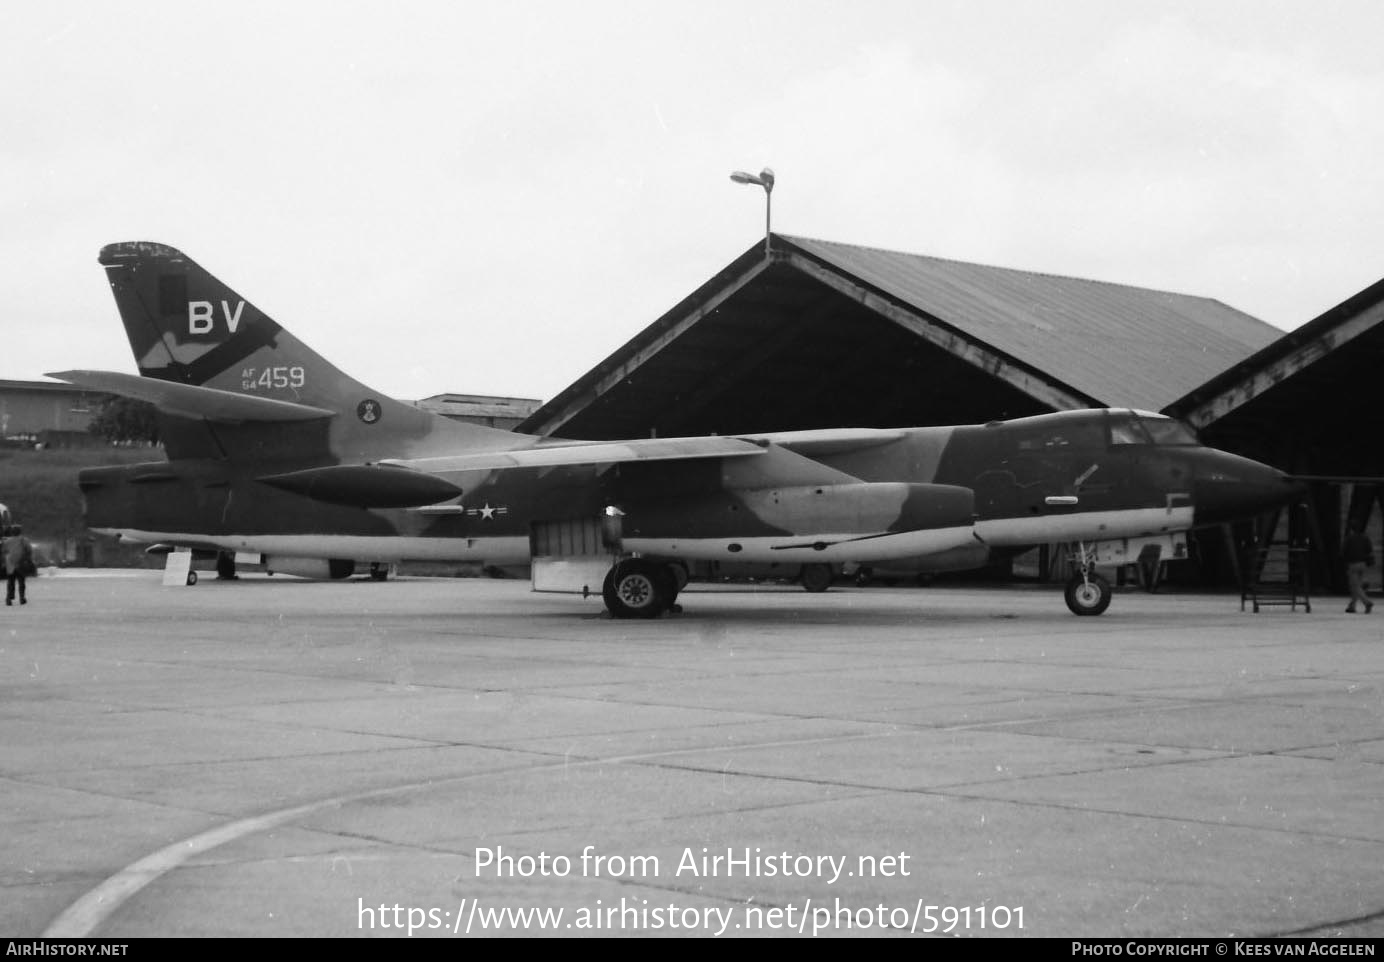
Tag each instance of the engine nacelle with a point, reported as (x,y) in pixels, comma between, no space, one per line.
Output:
(865,507)
(319,569)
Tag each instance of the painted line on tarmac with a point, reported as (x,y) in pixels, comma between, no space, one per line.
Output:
(82,917)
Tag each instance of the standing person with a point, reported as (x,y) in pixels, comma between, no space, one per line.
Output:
(1358,554)
(18,555)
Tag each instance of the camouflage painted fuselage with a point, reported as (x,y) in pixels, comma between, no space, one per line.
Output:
(1051,478)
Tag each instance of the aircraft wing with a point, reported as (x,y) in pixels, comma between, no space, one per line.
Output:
(420,482)
(595,452)
(829,441)
(191,401)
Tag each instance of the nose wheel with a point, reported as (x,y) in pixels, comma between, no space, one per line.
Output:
(1087,593)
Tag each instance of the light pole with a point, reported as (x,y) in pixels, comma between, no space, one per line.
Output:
(765,179)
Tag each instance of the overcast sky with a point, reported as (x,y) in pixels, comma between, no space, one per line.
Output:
(491,197)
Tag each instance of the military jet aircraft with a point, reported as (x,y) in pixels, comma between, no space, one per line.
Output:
(273,451)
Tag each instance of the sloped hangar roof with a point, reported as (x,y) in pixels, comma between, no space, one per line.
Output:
(821,334)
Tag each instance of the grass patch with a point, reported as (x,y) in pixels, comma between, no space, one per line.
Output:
(40,489)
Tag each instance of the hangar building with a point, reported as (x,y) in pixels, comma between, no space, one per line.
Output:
(822,334)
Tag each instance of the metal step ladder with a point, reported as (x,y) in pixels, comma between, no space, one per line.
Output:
(1277,570)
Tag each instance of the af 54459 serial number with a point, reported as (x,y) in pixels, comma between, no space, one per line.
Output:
(252,379)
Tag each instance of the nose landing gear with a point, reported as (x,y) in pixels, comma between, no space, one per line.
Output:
(1087,593)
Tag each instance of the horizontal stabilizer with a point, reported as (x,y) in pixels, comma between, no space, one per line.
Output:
(600,452)
(191,401)
(366,486)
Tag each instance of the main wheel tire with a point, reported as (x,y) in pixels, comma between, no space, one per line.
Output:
(1087,596)
(638,589)
(817,577)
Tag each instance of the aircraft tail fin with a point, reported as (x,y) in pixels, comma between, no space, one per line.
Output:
(186,326)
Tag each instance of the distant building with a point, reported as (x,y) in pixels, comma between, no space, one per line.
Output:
(494,412)
(33,412)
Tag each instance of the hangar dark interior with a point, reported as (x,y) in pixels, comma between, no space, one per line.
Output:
(1308,404)
(789,353)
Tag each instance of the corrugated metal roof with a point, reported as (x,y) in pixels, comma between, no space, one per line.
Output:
(1124,346)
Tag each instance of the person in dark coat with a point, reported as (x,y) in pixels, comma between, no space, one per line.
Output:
(17,553)
(1358,554)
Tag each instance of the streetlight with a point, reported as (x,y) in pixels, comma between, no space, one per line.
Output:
(765,179)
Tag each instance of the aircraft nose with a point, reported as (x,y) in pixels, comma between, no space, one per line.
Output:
(1227,487)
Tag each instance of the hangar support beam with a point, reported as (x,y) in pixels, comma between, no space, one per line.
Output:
(1057,396)
(1258,380)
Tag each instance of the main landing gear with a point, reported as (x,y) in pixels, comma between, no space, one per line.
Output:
(817,577)
(640,588)
(1087,593)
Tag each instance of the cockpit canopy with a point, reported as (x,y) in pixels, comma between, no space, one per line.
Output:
(1142,427)
(1092,430)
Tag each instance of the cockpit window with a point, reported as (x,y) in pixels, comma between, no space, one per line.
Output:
(1128,431)
(1168,431)
(1148,429)
(1071,435)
